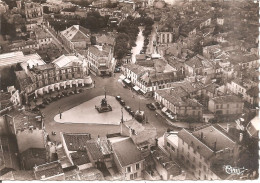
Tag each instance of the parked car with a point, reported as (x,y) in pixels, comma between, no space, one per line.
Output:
(41,106)
(118,98)
(53,133)
(35,109)
(158,105)
(49,99)
(132,113)
(151,107)
(71,93)
(122,102)
(65,93)
(127,108)
(45,102)
(77,91)
(54,98)
(117,70)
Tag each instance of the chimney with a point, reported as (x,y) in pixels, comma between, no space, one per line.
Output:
(228,127)
(215,146)
(240,137)
(201,136)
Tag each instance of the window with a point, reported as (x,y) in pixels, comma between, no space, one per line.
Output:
(200,164)
(204,168)
(188,155)
(199,173)
(168,144)
(173,149)
(189,147)
(194,159)
(137,166)
(221,106)
(194,151)
(131,176)
(128,169)
(216,106)
(182,142)
(135,175)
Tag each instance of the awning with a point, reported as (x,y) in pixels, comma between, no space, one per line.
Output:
(40,91)
(136,88)
(80,81)
(62,84)
(164,109)
(127,81)
(56,85)
(73,82)
(46,89)
(51,87)
(67,83)
(88,80)
(142,91)
(122,77)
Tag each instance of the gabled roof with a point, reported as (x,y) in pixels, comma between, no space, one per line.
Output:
(66,60)
(48,170)
(226,99)
(126,152)
(76,141)
(76,33)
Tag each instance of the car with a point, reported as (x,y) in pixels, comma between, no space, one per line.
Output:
(132,113)
(158,105)
(58,96)
(153,104)
(45,101)
(64,93)
(151,107)
(36,109)
(53,133)
(118,98)
(71,93)
(49,99)
(80,90)
(77,91)
(127,108)
(54,98)
(41,106)
(122,102)
(117,70)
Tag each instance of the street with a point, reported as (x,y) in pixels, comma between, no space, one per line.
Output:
(113,88)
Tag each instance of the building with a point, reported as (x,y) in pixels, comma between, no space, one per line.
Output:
(33,157)
(167,34)
(34,15)
(128,158)
(49,171)
(206,150)
(253,127)
(64,72)
(143,135)
(167,168)
(74,145)
(43,38)
(100,59)
(198,65)
(8,155)
(148,80)
(226,105)
(76,37)
(171,143)
(28,128)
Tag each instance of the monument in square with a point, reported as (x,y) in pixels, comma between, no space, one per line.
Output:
(104,107)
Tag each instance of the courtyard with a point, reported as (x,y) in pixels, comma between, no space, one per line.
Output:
(86,113)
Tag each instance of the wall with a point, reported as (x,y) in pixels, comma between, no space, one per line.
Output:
(30,139)
(3,126)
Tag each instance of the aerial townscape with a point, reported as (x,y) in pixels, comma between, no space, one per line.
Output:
(121,90)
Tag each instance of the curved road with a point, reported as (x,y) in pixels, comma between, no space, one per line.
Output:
(113,88)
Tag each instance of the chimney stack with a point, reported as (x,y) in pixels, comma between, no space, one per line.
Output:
(201,136)
(240,137)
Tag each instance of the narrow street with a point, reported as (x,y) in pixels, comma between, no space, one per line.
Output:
(151,49)
(113,88)
(139,45)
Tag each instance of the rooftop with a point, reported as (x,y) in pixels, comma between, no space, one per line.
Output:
(25,120)
(47,170)
(91,174)
(76,141)
(80,157)
(76,33)
(66,60)
(126,152)
(100,51)
(11,58)
(226,99)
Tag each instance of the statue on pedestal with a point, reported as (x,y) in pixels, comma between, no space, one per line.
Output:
(104,107)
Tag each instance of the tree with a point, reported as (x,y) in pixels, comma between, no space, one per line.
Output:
(93,40)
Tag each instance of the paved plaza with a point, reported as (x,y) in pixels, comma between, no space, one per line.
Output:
(86,113)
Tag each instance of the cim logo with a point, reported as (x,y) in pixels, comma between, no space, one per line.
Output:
(234,170)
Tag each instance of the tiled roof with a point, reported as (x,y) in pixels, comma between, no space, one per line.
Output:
(133,124)
(105,39)
(126,152)
(23,79)
(80,157)
(212,134)
(48,170)
(211,87)
(42,34)
(226,99)
(172,167)
(98,148)
(76,141)
(198,61)
(100,51)
(34,153)
(76,33)
(138,70)
(91,174)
